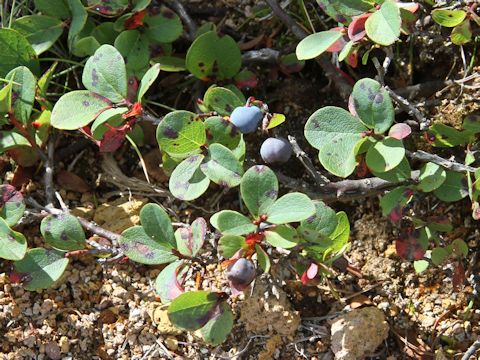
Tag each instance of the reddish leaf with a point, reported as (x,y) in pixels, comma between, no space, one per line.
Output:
(458,275)
(112,140)
(352,59)
(339,44)
(22,175)
(135,21)
(409,6)
(71,182)
(246,79)
(312,271)
(132,88)
(409,245)
(356,29)
(400,131)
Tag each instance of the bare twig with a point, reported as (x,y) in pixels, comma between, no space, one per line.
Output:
(409,108)
(267,55)
(345,190)
(306,162)
(333,74)
(182,12)
(447,164)
(471,350)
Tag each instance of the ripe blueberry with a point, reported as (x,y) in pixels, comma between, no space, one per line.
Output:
(276,150)
(246,118)
(241,273)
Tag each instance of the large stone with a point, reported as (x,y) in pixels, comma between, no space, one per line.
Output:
(358,333)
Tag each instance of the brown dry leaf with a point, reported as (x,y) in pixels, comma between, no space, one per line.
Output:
(251,43)
(71,182)
(360,300)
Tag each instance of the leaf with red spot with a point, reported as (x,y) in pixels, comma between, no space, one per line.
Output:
(12,205)
(112,140)
(190,239)
(108,8)
(169,282)
(289,64)
(395,200)
(246,79)
(13,245)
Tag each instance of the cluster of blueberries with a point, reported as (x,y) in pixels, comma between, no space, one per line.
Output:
(274,149)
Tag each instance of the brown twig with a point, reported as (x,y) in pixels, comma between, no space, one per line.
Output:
(332,73)
(22,130)
(403,103)
(447,164)
(266,55)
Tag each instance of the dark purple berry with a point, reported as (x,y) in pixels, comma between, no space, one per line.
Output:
(276,150)
(241,273)
(246,118)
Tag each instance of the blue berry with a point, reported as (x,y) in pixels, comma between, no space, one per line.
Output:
(241,273)
(246,118)
(276,150)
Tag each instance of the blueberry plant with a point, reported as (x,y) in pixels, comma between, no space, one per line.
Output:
(123,48)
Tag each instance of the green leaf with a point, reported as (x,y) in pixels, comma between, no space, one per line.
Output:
(6,99)
(462,33)
(230,222)
(454,187)
(262,258)
(276,120)
(10,139)
(105,33)
(439,255)
(141,248)
(168,284)
(13,245)
(230,244)
(134,48)
(187,181)
(341,234)
(105,74)
(222,167)
(222,100)
(41,268)
(220,130)
(24,92)
(181,134)
(40,31)
(289,208)
(448,18)
(397,197)
(460,247)
(157,225)
(213,56)
(87,107)
(335,133)
(316,44)
(431,177)
(282,236)
(147,81)
(383,27)
(259,189)
(337,240)
(373,105)
(399,173)
(219,327)
(112,116)
(164,26)
(85,46)
(170,63)
(420,266)
(193,309)
(108,8)
(385,155)
(190,239)
(447,136)
(320,224)
(63,232)
(16,51)
(12,206)
(56,8)
(79,19)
